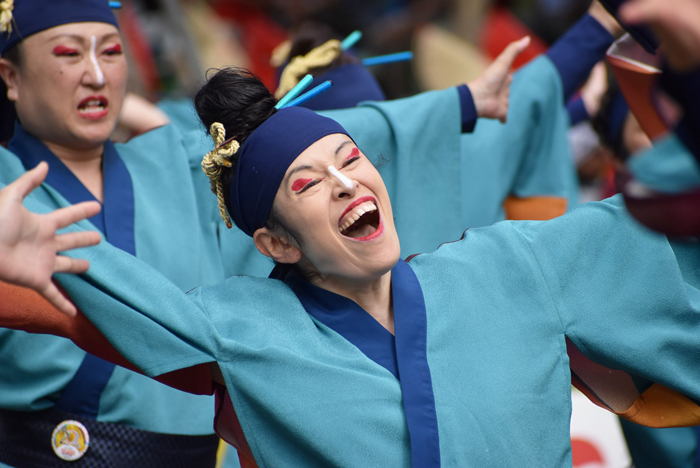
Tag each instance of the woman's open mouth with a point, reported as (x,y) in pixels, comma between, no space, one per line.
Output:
(361,220)
(93,107)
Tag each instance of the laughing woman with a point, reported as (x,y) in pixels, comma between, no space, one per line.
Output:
(354,357)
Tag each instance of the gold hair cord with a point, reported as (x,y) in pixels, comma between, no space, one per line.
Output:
(321,56)
(215,161)
(6,7)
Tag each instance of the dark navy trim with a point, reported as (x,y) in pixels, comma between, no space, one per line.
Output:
(411,327)
(466,104)
(82,394)
(577,111)
(118,208)
(31,152)
(404,356)
(349,320)
(577,51)
(116,221)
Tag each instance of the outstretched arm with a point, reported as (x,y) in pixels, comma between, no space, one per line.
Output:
(29,245)
(23,309)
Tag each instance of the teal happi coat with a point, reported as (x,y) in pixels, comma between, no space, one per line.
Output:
(498,307)
(440,180)
(168,236)
(176,231)
(529,156)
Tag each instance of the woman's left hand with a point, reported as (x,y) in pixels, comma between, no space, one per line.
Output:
(491,89)
(29,245)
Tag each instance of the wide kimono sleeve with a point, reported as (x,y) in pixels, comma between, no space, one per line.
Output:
(148,319)
(522,169)
(628,300)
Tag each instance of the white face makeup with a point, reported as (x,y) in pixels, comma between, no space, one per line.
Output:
(93,58)
(339,175)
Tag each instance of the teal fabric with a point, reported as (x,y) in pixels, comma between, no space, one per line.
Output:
(414,142)
(667,169)
(167,233)
(499,304)
(528,156)
(653,448)
(441,181)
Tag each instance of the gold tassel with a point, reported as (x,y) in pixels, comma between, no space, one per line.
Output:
(299,66)
(6,7)
(214,162)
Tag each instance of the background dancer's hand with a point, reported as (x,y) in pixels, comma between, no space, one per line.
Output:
(29,244)
(491,89)
(677,23)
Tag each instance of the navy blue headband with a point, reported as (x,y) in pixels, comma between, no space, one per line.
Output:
(265,157)
(33,16)
(352,84)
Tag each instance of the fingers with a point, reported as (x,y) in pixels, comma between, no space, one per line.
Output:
(75,240)
(64,264)
(30,180)
(511,52)
(54,296)
(71,214)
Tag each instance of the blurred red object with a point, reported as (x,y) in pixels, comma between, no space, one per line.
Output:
(585,454)
(140,49)
(259,35)
(500,29)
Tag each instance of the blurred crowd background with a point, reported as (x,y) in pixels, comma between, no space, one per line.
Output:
(172,43)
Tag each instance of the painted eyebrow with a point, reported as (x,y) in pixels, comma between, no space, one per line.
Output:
(296,169)
(342,145)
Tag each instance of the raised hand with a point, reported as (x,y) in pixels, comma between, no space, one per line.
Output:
(491,89)
(29,244)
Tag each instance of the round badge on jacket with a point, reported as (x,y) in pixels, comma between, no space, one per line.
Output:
(70,440)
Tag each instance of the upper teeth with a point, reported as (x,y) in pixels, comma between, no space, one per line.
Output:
(357,213)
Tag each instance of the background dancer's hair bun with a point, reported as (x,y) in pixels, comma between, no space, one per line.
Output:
(239,101)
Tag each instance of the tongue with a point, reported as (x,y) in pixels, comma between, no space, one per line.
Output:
(363,231)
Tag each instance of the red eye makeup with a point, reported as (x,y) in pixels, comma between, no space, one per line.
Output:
(353,153)
(115,49)
(300,184)
(63,50)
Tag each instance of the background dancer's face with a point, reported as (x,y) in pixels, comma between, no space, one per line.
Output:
(69,84)
(334,202)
